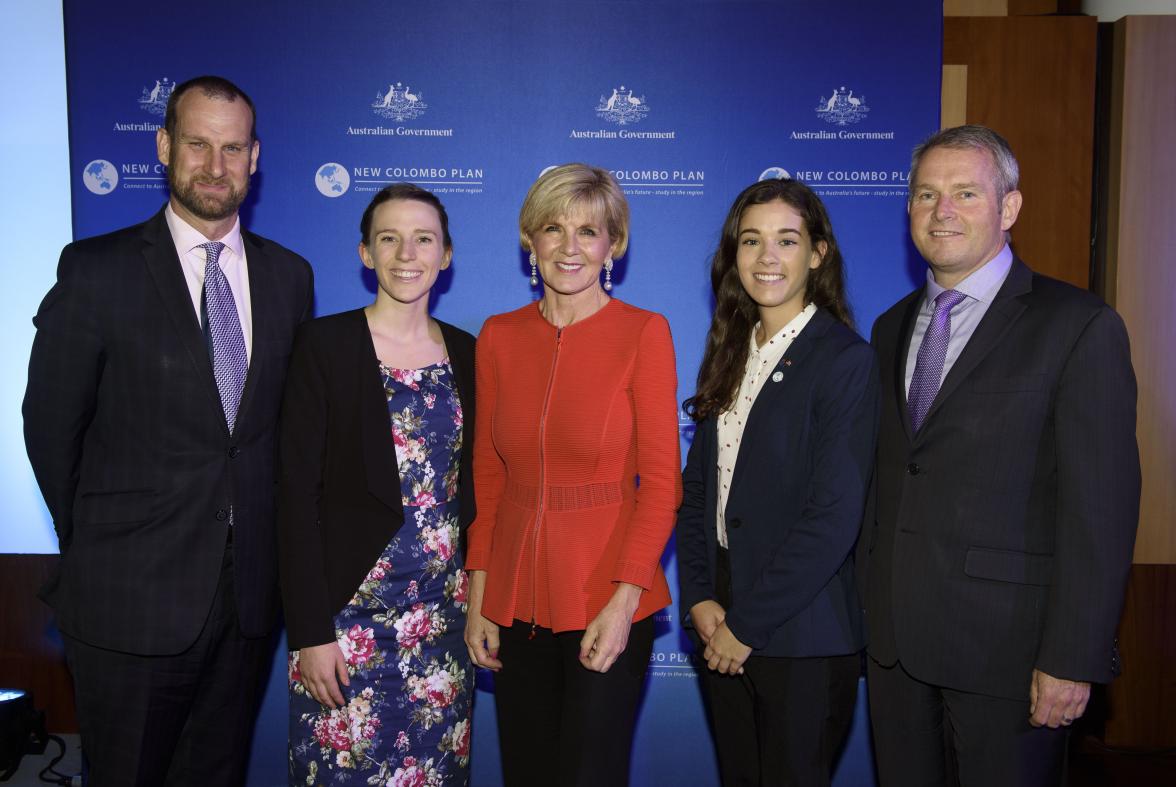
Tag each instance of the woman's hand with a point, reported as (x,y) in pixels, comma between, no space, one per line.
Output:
(481,635)
(608,633)
(724,653)
(706,617)
(323,668)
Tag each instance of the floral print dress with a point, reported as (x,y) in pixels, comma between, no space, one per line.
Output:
(407,718)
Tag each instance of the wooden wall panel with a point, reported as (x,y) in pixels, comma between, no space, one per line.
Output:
(953,109)
(31,656)
(1010,7)
(1141,256)
(975,7)
(1032,79)
(1142,698)
(1138,249)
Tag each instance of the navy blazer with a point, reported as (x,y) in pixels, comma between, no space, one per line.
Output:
(795,505)
(339,501)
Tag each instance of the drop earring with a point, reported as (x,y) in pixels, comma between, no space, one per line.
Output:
(534,271)
(608,275)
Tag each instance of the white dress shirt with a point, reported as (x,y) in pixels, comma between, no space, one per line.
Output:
(760,363)
(232,261)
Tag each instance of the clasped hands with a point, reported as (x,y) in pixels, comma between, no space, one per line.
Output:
(724,653)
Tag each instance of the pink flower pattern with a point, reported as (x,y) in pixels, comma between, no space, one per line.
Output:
(406,722)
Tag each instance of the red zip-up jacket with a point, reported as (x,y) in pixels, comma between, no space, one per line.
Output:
(568,420)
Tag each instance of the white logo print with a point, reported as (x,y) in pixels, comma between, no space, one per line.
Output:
(399,103)
(154,99)
(622,107)
(842,108)
(774,173)
(100,176)
(332,180)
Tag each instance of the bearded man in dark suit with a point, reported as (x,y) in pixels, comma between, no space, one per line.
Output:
(153,393)
(1006,491)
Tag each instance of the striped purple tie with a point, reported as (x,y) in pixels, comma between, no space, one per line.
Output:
(229,360)
(932,352)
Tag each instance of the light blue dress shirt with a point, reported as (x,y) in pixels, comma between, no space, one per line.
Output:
(980,287)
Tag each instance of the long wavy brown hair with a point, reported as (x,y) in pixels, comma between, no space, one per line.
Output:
(736,313)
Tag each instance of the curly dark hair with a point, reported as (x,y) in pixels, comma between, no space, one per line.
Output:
(736,313)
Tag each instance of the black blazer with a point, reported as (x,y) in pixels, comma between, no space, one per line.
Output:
(339,500)
(1003,530)
(127,437)
(795,505)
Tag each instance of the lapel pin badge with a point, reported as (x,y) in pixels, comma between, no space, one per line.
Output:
(777,376)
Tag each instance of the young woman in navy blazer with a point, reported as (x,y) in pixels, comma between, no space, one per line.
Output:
(774,490)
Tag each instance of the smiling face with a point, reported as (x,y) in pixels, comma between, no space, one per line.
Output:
(209,159)
(774,257)
(958,218)
(570,250)
(406,249)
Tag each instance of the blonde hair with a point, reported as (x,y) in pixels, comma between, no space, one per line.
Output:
(568,187)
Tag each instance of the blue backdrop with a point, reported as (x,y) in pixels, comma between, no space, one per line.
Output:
(686,102)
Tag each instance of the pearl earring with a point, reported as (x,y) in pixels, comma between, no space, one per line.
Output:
(534,271)
(608,275)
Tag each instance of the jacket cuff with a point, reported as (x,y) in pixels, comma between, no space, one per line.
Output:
(634,574)
(745,632)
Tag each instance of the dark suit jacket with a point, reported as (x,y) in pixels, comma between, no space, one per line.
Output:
(795,505)
(339,500)
(127,437)
(1003,529)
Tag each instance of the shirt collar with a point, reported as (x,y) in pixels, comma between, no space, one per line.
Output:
(186,237)
(981,284)
(794,326)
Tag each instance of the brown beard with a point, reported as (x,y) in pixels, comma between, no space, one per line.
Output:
(207,208)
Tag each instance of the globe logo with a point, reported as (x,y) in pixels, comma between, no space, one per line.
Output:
(100,176)
(332,180)
(775,173)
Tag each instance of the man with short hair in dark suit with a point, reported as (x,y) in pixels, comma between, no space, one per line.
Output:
(1006,492)
(154,386)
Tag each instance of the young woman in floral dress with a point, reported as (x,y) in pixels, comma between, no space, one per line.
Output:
(373,498)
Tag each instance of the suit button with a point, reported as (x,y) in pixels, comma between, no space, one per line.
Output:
(735,523)
(222,515)
(913,469)
(234,452)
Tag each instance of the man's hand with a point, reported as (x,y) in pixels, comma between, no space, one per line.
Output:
(724,653)
(1054,702)
(706,617)
(323,668)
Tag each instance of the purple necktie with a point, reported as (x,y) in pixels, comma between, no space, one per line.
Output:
(932,352)
(229,360)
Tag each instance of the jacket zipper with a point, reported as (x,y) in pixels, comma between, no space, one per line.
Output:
(542,491)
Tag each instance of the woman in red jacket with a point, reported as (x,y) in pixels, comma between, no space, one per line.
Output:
(578,396)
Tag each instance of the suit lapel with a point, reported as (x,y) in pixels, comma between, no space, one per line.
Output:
(262,286)
(788,368)
(379,451)
(1005,309)
(163,266)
